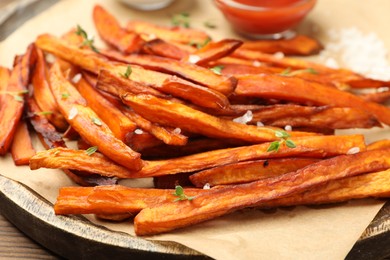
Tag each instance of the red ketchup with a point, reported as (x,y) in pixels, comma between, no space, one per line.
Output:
(264,17)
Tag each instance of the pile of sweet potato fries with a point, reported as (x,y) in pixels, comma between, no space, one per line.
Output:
(234,124)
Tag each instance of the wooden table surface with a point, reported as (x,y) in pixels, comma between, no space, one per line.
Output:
(15,245)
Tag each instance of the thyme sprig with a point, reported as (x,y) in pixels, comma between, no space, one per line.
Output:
(284,139)
(87,41)
(179,192)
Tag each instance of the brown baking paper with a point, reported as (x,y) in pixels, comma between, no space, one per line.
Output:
(298,233)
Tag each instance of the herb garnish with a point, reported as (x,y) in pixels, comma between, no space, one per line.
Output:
(91,150)
(182,19)
(209,25)
(17,95)
(127,73)
(217,69)
(87,42)
(179,192)
(284,138)
(289,72)
(65,95)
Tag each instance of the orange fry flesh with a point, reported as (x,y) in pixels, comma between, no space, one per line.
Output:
(170,216)
(248,171)
(110,31)
(21,147)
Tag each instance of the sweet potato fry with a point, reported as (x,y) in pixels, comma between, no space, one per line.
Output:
(380,144)
(165,49)
(310,116)
(189,71)
(178,115)
(168,136)
(80,160)
(309,147)
(90,61)
(119,124)
(112,199)
(112,33)
(213,51)
(248,171)
(175,34)
(13,102)
(279,87)
(42,93)
(368,185)
(4,77)
(141,140)
(215,203)
(298,45)
(88,125)
(377,97)
(21,148)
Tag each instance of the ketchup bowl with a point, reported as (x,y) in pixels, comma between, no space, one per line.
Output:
(264,18)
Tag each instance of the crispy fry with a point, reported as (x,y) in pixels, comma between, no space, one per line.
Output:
(279,87)
(215,203)
(380,144)
(42,93)
(177,115)
(21,148)
(248,171)
(374,185)
(13,103)
(309,147)
(188,71)
(119,124)
(141,140)
(297,45)
(213,51)
(168,136)
(165,49)
(4,77)
(378,97)
(175,34)
(83,120)
(112,199)
(80,160)
(310,116)
(110,31)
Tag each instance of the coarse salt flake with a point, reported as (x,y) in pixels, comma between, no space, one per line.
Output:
(279,55)
(382,89)
(193,58)
(259,124)
(207,186)
(288,128)
(76,78)
(177,130)
(245,118)
(256,63)
(50,58)
(138,131)
(353,150)
(72,113)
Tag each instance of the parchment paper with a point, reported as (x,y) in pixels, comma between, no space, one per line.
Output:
(299,233)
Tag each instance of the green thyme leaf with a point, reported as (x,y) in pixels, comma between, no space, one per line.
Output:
(209,25)
(17,95)
(182,19)
(179,192)
(91,150)
(201,45)
(290,144)
(217,69)
(282,134)
(127,73)
(289,72)
(43,113)
(96,121)
(87,42)
(274,146)
(65,95)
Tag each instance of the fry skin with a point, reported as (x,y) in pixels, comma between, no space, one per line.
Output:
(21,148)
